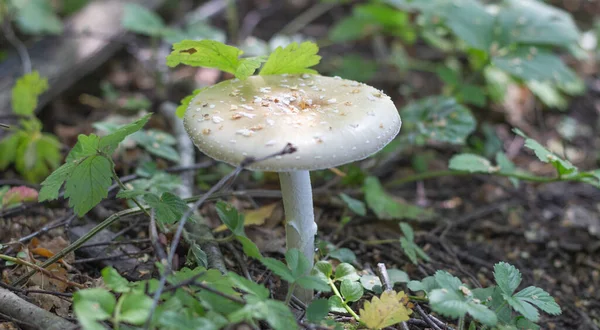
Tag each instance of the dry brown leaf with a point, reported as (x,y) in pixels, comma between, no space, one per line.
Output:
(50,302)
(390,309)
(254,217)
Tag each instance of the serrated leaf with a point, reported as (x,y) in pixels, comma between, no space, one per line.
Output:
(185,102)
(446,280)
(562,166)
(248,286)
(157,143)
(87,145)
(279,268)
(313,282)
(345,271)
(275,313)
(385,311)
(354,205)
(114,281)
(525,300)
(169,208)
(385,207)
(297,263)
(139,19)
(209,54)
(110,142)
(88,183)
(371,283)
(507,276)
(248,66)
(92,305)
(52,184)
(292,59)
(351,290)
(471,163)
(317,310)
(453,303)
(439,119)
(26,91)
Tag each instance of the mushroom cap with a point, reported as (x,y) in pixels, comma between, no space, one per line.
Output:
(331,121)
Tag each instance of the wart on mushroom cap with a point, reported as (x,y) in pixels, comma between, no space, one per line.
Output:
(332,121)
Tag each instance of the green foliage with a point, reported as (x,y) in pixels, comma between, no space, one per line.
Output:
(186,102)
(33,153)
(213,54)
(370,19)
(169,208)
(88,169)
(387,208)
(410,248)
(437,119)
(26,92)
(354,205)
(292,59)
(235,223)
(471,163)
(296,271)
(36,17)
(563,167)
(492,305)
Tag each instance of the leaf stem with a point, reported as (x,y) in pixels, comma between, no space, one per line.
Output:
(337,293)
(290,292)
(122,186)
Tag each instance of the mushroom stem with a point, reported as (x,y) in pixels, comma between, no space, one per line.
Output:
(300,228)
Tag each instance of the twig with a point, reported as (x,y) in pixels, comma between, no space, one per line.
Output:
(44,271)
(158,249)
(426,317)
(289,149)
(4,126)
(384,277)
(10,36)
(16,308)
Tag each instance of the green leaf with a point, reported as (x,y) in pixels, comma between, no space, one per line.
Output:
(525,300)
(507,276)
(446,280)
(336,304)
(471,163)
(313,282)
(562,166)
(471,94)
(91,305)
(351,290)
(157,143)
(297,263)
(371,283)
(292,59)
(530,63)
(88,183)
(386,207)
(452,303)
(8,149)
(275,313)
(231,218)
(427,285)
(345,271)
(169,208)
(468,20)
(248,286)
(26,91)
(534,22)
(139,19)
(110,142)
(37,17)
(114,280)
(135,308)
(343,255)
(248,66)
(439,119)
(323,269)
(355,205)
(87,145)
(317,310)
(279,268)
(410,248)
(348,29)
(52,184)
(249,248)
(210,54)
(180,112)
(200,257)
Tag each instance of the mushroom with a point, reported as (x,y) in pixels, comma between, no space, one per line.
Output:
(331,122)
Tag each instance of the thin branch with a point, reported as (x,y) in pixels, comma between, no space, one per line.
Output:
(9,34)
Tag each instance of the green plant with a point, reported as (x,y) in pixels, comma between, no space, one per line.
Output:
(32,16)
(491,306)
(34,153)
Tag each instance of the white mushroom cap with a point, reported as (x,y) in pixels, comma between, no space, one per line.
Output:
(331,121)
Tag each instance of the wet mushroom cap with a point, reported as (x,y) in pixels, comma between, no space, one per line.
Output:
(331,121)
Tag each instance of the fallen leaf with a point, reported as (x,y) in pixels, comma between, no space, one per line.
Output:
(51,302)
(390,309)
(254,217)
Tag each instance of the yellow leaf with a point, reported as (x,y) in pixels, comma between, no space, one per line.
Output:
(386,311)
(253,217)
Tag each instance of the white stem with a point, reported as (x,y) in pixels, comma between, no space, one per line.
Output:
(300,228)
